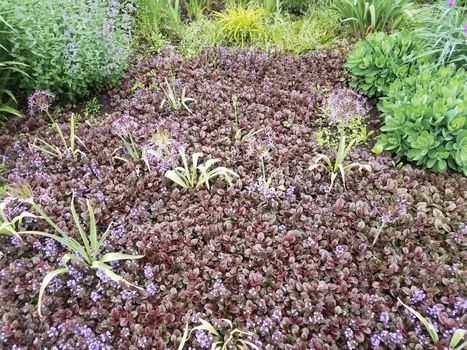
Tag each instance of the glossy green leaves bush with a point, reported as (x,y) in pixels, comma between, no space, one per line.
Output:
(71,47)
(425,118)
(379,60)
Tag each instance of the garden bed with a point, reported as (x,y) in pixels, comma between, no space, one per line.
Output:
(293,263)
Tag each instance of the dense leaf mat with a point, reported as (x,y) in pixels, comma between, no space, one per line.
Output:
(294,265)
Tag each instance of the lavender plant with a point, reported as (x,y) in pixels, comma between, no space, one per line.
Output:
(458,335)
(71,47)
(338,165)
(9,70)
(175,101)
(69,146)
(88,251)
(232,338)
(195,174)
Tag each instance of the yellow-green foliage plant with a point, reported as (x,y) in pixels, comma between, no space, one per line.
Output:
(241,25)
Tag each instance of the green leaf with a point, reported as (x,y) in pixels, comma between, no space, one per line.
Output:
(119,256)
(429,327)
(45,282)
(457,337)
(81,231)
(92,230)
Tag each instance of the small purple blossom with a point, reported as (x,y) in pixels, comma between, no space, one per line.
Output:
(348,333)
(52,332)
(127,294)
(418,296)
(95,296)
(102,276)
(451,3)
(434,311)
(148,272)
(151,289)
(376,340)
(339,250)
(204,339)
(384,317)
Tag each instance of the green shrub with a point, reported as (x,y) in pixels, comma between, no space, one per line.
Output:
(296,6)
(367,16)
(241,25)
(72,47)
(199,34)
(9,72)
(376,62)
(426,118)
(318,28)
(445,34)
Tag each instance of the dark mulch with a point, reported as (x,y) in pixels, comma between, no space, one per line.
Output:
(294,265)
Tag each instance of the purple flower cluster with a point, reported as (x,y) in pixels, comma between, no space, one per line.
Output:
(204,339)
(418,296)
(148,272)
(339,250)
(127,294)
(151,289)
(125,126)
(386,337)
(92,341)
(40,101)
(345,104)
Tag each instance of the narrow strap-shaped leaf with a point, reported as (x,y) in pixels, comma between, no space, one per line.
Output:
(67,241)
(184,338)
(82,233)
(112,275)
(429,327)
(342,171)
(457,337)
(72,131)
(104,236)
(119,256)
(172,175)
(45,282)
(92,230)
(48,220)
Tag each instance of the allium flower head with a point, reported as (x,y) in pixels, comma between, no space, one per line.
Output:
(40,101)
(451,3)
(344,104)
(124,126)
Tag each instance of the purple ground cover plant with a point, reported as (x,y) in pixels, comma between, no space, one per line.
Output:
(300,273)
